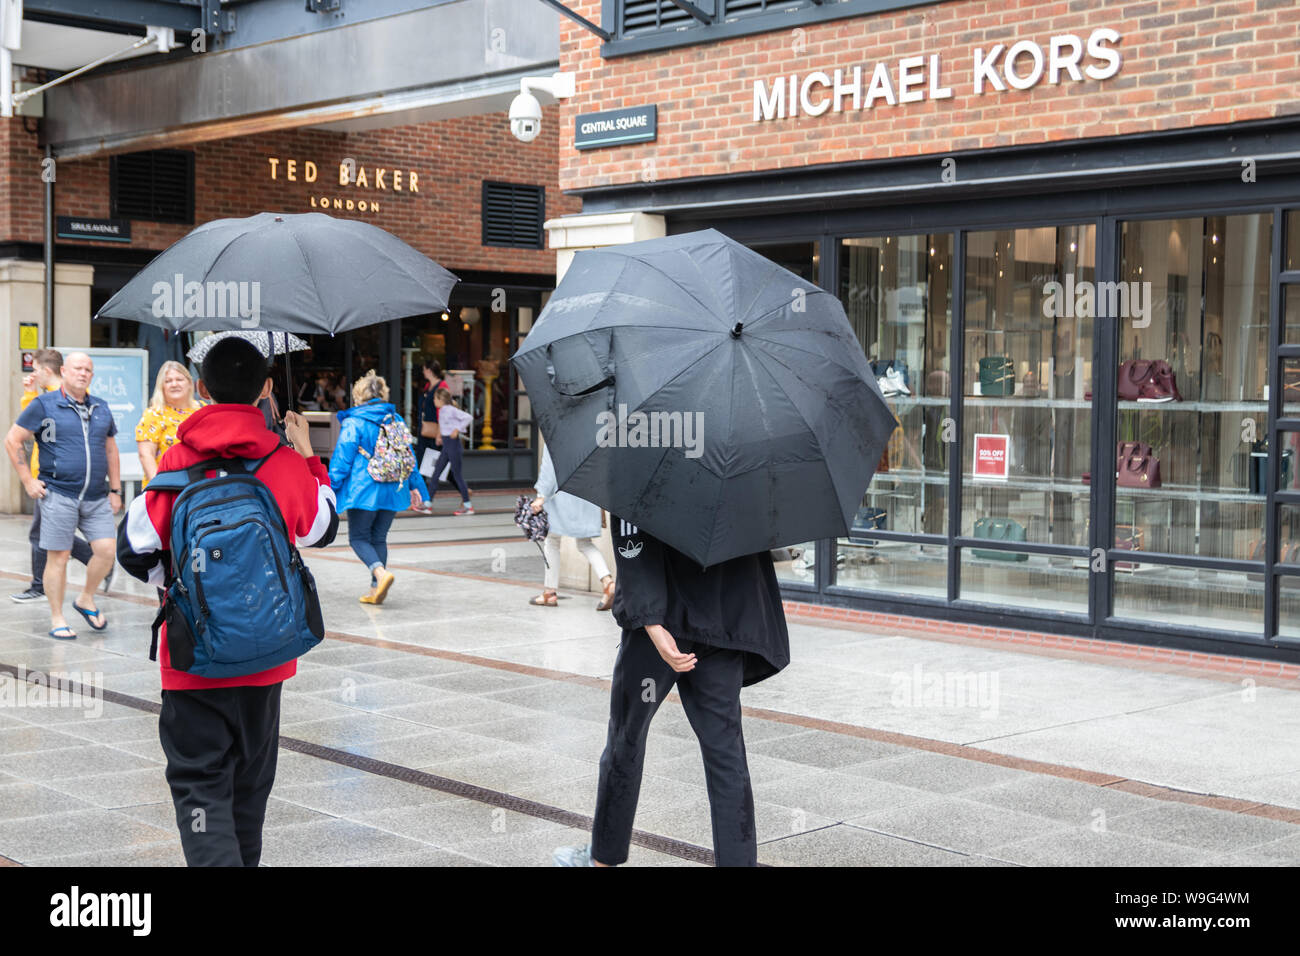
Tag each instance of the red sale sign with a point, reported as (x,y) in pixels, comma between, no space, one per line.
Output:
(992,457)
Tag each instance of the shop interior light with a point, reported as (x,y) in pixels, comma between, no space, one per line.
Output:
(445,317)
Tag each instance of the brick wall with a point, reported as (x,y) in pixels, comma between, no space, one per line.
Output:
(1185,63)
(233,179)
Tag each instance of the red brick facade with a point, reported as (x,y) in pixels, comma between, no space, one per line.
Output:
(1185,63)
(233,179)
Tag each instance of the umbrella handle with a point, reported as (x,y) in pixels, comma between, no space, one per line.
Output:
(290,402)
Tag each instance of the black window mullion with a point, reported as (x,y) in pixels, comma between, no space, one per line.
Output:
(956,391)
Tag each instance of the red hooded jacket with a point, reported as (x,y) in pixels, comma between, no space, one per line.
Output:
(301,488)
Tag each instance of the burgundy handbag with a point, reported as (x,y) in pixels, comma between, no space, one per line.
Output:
(1128,537)
(1136,467)
(1143,380)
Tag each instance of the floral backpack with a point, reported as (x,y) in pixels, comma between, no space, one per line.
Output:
(392,459)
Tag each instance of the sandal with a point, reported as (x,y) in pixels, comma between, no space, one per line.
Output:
(607,601)
(71,635)
(90,616)
(546,599)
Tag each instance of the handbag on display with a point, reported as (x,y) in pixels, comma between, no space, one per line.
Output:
(999,529)
(1128,537)
(1143,380)
(868,518)
(1136,466)
(997,375)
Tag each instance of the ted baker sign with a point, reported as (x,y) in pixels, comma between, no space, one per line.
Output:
(911,79)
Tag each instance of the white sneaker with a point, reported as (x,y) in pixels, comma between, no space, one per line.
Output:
(895,379)
(572,856)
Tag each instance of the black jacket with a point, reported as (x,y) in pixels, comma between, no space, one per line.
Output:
(735,604)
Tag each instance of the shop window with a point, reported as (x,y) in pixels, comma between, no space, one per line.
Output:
(1026,382)
(513,215)
(1191,406)
(1288,558)
(156,186)
(897,294)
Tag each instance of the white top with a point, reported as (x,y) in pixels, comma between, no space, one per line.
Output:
(451,418)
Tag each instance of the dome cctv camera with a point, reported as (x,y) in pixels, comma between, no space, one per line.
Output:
(525,117)
(526,109)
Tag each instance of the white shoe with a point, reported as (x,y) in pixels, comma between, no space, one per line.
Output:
(573,856)
(895,379)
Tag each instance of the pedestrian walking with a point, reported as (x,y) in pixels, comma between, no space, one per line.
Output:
(370,433)
(709,633)
(429,439)
(78,486)
(571,517)
(45,378)
(173,401)
(452,421)
(220,734)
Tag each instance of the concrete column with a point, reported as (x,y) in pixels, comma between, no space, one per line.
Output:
(567,236)
(22,299)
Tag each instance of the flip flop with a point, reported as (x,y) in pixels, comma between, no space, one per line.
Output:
(70,636)
(90,615)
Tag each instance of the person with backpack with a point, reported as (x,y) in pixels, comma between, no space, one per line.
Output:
(373,473)
(219,527)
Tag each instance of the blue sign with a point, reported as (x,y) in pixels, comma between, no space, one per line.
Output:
(121,380)
(636,124)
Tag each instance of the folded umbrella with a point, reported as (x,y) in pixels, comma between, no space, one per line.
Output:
(270,344)
(700,391)
(534,526)
(304,273)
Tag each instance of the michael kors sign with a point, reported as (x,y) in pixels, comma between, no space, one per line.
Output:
(350,174)
(1018,66)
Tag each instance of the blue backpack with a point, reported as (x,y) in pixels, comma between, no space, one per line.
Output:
(240,598)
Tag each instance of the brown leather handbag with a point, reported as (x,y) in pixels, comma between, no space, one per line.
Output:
(1128,537)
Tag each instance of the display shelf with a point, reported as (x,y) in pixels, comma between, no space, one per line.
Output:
(1213,408)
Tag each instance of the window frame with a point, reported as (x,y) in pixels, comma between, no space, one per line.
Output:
(693,32)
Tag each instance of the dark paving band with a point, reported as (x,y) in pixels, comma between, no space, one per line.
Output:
(457,788)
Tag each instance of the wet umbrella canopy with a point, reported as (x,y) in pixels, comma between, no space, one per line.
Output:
(704,393)
(303,273)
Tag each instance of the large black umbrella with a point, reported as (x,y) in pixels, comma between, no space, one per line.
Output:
(749,374)
(303,273)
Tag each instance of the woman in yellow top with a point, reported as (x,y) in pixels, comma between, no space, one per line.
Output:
(173,401)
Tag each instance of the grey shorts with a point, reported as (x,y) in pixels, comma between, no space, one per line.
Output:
(61,516)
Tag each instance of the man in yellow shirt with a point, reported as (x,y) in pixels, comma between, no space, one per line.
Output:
(47,363)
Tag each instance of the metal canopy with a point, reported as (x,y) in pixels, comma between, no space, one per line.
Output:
(429,61)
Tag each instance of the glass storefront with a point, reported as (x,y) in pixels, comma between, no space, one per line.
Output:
(988,345)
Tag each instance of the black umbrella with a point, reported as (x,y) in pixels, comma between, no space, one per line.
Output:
(303,273)
(705,394)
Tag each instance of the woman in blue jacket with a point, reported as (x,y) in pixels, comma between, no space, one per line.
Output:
(370,504)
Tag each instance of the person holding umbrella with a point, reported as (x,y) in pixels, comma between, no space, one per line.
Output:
(371,504)
(717,406)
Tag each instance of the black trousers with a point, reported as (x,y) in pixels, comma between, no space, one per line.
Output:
(711,698)
(221,745)
(80,549)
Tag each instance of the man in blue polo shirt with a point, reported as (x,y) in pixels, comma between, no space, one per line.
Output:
(79,486)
